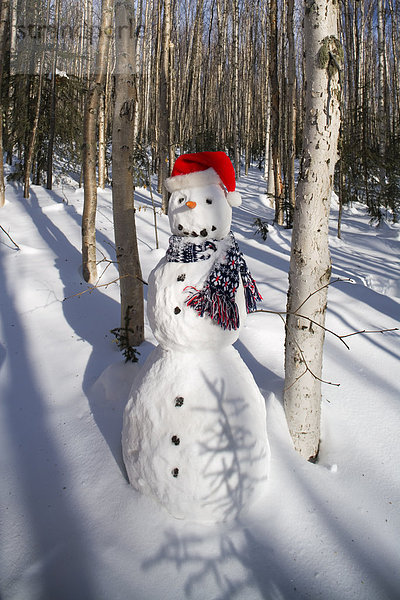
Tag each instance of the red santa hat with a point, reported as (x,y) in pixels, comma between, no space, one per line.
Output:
(204,168)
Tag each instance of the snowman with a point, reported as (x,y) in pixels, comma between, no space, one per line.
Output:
(194,432)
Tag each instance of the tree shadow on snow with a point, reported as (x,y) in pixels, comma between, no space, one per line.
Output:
(353,533)
(317,553)
(227,562)
(228,451)
(90,316)
(44,481)
(237,560)
(267,380)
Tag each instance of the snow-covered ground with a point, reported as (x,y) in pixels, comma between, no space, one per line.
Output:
(73,529)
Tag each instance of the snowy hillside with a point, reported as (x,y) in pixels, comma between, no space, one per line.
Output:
(71,528)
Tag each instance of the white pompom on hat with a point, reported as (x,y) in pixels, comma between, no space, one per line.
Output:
(204,168)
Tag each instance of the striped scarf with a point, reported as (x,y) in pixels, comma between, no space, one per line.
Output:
(217,298)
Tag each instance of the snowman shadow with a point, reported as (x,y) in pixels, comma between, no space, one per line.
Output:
(108,397)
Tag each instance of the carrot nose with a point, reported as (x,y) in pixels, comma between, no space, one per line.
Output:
(191,204)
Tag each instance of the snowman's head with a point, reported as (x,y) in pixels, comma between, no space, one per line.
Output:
(203,193)
(200,212)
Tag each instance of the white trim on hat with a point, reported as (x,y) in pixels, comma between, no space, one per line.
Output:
(190,180)
(234,198)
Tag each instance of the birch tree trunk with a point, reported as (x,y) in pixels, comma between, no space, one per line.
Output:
(53,100)
(131,288)
(102,142)
(267,93)
(30,148)
(310,265)
(221,53)
(164,104)
(11,86)
(381,96)
(395,57)
(267,136)
(4,12)
(291,106)
(89,267)
(275,116)
(235,81)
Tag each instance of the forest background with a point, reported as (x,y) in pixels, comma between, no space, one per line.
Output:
(209,75)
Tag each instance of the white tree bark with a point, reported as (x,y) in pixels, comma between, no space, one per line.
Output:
(381,94)
(4,13)
(291,104)
(164,167)
(235,86)
(310,264)
(267,137)
(102,141)
(125,97)
(89,147)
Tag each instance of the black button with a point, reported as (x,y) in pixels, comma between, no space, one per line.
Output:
(179,401)
(175,440)
(175,472)
(177,310)
(181,277)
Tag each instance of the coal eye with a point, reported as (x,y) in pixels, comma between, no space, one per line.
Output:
(180,200)
(209,201)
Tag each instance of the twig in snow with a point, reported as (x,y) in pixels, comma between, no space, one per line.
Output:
(10,238)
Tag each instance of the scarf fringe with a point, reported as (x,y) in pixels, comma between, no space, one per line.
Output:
(218,307)
(251,293)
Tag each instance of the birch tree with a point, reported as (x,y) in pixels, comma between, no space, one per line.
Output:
(291,105)
(131,288)
(165,95)
(96,88)
(310,265)
(33,134)
(381,95)
(275,116)
(235,86)
(53,99)
(4,12)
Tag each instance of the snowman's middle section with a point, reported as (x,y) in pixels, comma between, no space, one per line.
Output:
(176,325)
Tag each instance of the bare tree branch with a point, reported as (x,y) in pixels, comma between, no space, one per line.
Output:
(10,238)
(338,280)
(105,285)
(282,314)
(306,366)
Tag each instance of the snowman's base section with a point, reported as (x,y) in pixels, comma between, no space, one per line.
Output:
(194,434)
